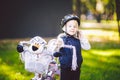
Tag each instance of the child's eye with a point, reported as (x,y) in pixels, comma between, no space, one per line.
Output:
(70,26)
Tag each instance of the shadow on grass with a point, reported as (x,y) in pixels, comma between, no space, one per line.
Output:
(4,77)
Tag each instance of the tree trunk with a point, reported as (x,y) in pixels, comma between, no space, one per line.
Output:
(77,10)
(118,14)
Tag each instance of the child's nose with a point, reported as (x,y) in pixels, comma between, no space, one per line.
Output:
(72,27)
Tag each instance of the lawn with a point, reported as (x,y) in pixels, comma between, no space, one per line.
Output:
(100,63)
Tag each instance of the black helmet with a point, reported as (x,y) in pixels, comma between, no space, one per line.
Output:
(70,17)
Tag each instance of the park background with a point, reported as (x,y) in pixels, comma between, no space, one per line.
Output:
(22,20)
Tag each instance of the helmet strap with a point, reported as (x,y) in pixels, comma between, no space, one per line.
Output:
(65,30)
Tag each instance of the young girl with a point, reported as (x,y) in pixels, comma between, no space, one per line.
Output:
(70,51)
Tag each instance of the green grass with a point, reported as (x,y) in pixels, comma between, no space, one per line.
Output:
(11,68)
(100,63)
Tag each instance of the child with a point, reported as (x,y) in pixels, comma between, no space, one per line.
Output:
(70,55)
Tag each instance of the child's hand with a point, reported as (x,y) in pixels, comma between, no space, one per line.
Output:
(79,34)
(84,41)
(59,43)
(54,45)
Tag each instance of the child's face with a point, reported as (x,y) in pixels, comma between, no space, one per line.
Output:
(72,27)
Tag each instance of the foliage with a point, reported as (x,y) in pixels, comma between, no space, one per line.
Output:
(90,6)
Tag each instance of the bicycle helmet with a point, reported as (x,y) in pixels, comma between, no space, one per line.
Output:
(68,18)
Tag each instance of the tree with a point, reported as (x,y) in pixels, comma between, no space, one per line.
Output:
(118,14)
(77,7)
